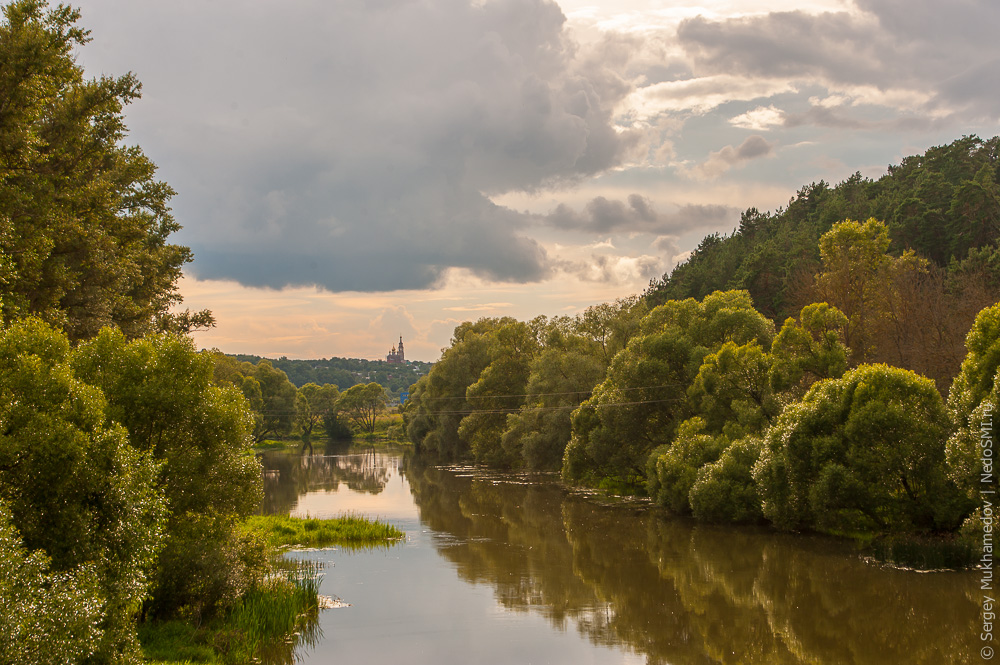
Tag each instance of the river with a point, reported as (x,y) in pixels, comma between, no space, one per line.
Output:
(513,568)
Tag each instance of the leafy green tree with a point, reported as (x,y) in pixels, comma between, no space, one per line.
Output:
(972,405)
(644,396)
(855,267)
(45,617)
(863,453)
(362,403)
(438,401)
(561,377)
(277,399)
(732,390)
(724,490)
(499,391)
(674,468)
(313,403)
(809,349)
(74,486)
(84,223)
(161,390)
(611,325)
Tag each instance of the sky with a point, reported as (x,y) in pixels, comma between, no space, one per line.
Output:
(349,172)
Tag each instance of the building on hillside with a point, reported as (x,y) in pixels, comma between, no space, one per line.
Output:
(396,355)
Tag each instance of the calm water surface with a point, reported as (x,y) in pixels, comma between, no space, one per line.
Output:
(503,568)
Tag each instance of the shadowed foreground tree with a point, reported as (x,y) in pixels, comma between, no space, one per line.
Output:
(160,389)
(75,489)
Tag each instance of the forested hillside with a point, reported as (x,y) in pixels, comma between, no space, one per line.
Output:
(940,204)
(822,368)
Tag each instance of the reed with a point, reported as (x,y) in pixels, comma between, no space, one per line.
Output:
(266,618)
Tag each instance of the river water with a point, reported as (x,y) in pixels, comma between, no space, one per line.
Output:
(508,568)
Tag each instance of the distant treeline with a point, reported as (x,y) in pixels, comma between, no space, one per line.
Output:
(346,372)
(857,413)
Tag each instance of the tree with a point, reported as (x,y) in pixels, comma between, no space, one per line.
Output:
(313,403)
(438,401)
(972,405)
(855,268)
(499,391)
(277,399)
(561,376)
(45,617)
(161,391)
(674,468)
(732,390)
(83,221)
(724,490)
(643,397)
(75,489)
(809,349)
(362,404)
(863,453)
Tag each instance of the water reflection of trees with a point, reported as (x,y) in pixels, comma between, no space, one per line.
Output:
(287,477)
(682,593)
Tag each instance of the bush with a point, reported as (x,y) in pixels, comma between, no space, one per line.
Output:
(864,453)
(724,491)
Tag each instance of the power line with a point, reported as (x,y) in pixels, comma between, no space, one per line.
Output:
(573,392)
(518,409)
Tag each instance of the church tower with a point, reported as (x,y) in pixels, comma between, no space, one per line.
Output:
(396,355)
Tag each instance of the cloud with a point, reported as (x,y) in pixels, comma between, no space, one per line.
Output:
(638,215)
(606,269)
(754,147)
(355,145)
(699,94)
(883,52)
(759,119)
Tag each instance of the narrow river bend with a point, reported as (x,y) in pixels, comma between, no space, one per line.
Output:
(507,568)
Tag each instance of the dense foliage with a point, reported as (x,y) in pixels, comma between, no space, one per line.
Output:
(938,255)
(76,491)
(83,221)
(125,470)
(701,404)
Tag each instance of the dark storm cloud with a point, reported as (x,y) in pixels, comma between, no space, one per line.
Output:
(354,145)
(945,50)
(637,215)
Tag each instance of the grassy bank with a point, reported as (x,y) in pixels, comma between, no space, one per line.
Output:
(285,603)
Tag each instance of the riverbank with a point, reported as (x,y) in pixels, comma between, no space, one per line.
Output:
(286,603)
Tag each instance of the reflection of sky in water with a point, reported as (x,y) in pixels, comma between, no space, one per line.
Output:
(501,568)
(392,504)
(408,605)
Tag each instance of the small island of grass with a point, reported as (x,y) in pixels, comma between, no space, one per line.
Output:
(346,531)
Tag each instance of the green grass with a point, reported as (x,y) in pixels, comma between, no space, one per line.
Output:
(176,643)
(258,625)
(348,530)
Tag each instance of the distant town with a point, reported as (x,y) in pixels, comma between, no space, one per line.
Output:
(395,373)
